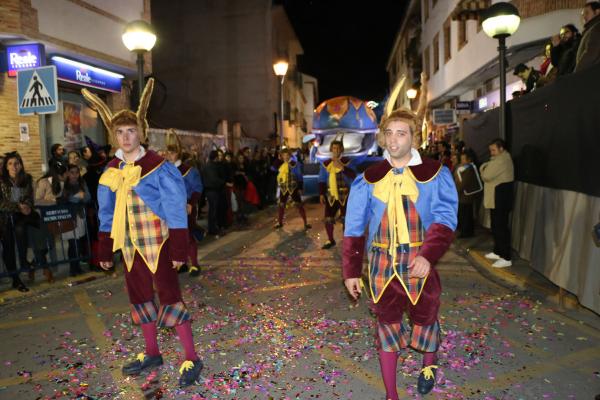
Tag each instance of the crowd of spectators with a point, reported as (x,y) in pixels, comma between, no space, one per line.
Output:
(567,52)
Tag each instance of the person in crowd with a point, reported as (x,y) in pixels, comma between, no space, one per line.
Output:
(142,203)
(548,72)
(588,53)
(193,189)
(498,176)
(314,149)
(335,178)
(468,185)
(408,206)
(564,49)
(1,166)
(528,75)
(57,155)
(16,205)
(48,192)
(260,167)
(290,181)
(73,158)
(75,191)
(214,185)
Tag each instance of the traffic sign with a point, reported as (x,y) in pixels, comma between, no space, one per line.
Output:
(37,91)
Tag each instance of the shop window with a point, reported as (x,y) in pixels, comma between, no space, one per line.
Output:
(436,53)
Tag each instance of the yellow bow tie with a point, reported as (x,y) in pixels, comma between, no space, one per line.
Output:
(332,180)
(390,191)
(283,175)
(120,181)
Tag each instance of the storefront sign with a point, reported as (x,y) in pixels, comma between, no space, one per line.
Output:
(87,75)
(24,56)
(464,106)
(443,116)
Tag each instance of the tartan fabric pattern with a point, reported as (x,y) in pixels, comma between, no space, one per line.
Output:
(143,313)
(171,315)
(343,190)
(381,272)
(145,233)
(394,337)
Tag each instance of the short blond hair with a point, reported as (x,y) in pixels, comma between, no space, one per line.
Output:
(399,114)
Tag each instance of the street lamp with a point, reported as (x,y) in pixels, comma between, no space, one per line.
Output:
(500,21)
(139,37)
(280,69)
(411,93)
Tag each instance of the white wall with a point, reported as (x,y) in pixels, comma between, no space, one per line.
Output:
(480,49)
(67,21)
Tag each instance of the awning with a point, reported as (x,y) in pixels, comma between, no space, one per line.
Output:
(469,9)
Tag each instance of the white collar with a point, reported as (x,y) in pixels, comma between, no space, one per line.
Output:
(177,163)
(415,158)
(120,156)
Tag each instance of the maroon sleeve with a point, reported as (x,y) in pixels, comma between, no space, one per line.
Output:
(349,172)
(352,256)
(178,242)
(322,188)
(437,241)
(105,246)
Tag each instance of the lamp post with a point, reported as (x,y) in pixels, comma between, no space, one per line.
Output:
(280,69)
(139,37)
(500,21)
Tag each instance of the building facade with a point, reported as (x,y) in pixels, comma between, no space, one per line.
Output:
(216,59)
(84,57)
(461,61)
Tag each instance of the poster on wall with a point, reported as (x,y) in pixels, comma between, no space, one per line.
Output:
(72,125)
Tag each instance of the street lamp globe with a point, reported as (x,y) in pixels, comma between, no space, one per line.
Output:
(411,93)
(139,36)
(280,68)
(500,20)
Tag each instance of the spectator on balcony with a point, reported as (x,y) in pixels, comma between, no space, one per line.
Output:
(547,70)
(564,49)
(16,201)
(528,75)
(588,53)
(498,176)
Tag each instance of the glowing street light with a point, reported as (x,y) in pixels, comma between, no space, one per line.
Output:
(139,37)
(280,68)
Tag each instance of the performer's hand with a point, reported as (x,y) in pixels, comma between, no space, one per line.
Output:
(353,286)
(189,209)
(419,267)
(322,199)
(106,265)
(177,264)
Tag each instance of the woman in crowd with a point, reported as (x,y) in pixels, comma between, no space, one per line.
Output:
(16,203)
(75,191)
(73,158)
(57,155)
(48,191)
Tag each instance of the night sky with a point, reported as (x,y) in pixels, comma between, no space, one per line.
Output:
(346,43)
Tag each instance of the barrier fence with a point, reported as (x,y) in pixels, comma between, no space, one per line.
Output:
(50,236)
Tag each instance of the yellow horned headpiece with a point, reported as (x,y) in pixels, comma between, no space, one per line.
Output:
(111,121)
(173,143)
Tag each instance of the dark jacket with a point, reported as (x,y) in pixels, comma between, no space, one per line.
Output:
(588,53)
(564,56)
(7,206)
(212,176)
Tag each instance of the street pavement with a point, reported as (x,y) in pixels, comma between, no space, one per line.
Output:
(272,321)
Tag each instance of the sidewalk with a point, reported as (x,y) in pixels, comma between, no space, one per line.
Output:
(522,278)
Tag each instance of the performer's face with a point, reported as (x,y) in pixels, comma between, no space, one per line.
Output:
(172,156)
(128,138)
(336,151)
(398,139)
(285,157)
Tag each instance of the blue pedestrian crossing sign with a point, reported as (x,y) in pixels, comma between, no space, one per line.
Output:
(37,90)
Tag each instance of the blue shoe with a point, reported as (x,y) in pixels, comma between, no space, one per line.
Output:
(142,363)
(426,380)
(190,372)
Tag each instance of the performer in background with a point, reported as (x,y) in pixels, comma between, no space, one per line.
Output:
(193,188)
(335,178)
(290,181)
(409,205)
(142,212)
